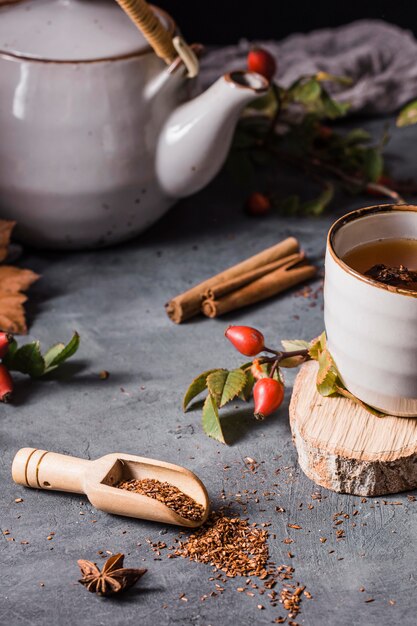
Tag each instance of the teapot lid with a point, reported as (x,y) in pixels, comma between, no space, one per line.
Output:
(71,30)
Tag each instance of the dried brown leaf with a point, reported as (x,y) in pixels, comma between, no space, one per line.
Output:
(6,228)
(14,280)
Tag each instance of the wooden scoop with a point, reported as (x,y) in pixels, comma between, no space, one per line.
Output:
(97,479)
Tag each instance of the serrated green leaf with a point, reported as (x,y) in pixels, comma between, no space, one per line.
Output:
(211,420)
(246,392)
(325,364)
(197,386)
(407,115)
(290,345)
(327,376)
(62,355)
(224,385)
(317,345)
(27,360)
(373,165)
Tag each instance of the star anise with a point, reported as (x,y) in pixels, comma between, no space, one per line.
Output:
(113,578)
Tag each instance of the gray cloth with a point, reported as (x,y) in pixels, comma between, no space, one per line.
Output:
(380,58)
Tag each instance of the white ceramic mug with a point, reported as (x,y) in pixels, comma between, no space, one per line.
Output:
(372,327)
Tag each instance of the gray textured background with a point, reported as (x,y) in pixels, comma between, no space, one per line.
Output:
(115,298)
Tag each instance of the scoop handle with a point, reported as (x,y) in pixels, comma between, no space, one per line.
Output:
(41,469)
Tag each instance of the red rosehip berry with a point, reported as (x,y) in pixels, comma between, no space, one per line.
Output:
(258,204)
(6,384)
(268,394)
(325,132)
(5,340)
(246,340)
(262,62)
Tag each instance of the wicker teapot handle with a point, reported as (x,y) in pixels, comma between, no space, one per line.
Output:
(157,35)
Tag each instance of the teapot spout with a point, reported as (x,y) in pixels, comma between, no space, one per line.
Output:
(196,138)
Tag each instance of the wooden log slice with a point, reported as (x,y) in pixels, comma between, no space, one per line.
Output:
(344,448)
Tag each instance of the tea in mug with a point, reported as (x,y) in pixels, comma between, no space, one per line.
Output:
(389,261)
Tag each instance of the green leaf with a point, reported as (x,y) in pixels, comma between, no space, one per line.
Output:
(306,92)
(66,352)
(211,420)
(325,365)
(52,353)
(27,359)
(317,345)
(357,135)
(197,386)
(289,205)
(331,108)
(407,115)
(224,385)
(319,204)
(266,105)
(373,164)
(291,345)
(327,376)
(246,392)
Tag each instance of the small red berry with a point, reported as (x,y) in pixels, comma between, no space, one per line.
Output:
(268,394)
(6,384)
(262,62)
(246,340)
(258,204)
(325,132)
(5,340)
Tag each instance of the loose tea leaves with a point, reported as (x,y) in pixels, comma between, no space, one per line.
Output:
(168,494)
(113,578)
(231,545)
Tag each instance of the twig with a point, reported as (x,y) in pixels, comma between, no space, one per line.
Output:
(385,191)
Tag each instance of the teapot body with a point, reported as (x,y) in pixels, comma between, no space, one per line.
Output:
(77,149)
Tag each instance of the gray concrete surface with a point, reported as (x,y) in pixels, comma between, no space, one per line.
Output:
(115,299)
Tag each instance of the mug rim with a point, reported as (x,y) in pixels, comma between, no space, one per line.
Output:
(357,214)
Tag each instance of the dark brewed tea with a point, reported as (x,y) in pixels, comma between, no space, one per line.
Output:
(390,261)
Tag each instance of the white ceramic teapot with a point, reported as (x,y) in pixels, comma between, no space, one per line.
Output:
(95,141)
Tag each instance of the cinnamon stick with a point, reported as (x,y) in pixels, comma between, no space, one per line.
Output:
(218,291)
(269,285)
(188,304)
